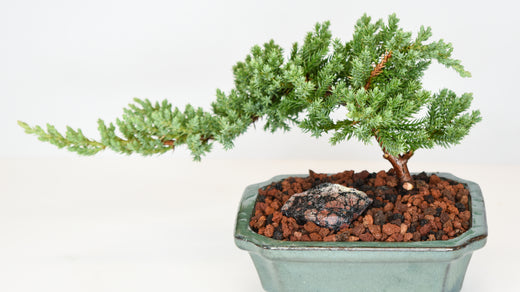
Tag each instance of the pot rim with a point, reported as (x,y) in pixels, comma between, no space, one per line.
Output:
(476,233)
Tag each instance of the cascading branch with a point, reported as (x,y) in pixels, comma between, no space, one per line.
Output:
(376,77)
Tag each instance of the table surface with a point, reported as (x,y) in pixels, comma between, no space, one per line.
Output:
(166,224)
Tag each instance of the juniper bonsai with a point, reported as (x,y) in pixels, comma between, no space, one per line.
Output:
(376,77)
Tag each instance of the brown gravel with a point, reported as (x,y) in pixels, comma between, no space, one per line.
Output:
(436,209)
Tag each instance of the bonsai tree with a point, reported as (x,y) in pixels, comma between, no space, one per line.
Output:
(376,77)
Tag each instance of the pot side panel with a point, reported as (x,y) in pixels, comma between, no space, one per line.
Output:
(288,275)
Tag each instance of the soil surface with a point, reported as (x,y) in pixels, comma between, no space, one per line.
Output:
(436,209)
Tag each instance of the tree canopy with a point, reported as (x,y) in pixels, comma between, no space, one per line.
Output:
(376,77)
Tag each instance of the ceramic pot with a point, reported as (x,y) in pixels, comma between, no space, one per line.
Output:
(361,266)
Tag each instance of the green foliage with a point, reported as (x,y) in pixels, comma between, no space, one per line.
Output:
(73,140)
(376,77)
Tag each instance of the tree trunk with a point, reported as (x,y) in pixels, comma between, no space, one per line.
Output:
(400,164)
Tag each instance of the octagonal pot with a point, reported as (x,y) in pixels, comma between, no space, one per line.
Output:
(361,266)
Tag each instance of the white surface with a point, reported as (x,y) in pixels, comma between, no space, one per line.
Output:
(72,62)
(132,224)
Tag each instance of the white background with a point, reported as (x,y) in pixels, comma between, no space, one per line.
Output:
(112,223)
(72,62)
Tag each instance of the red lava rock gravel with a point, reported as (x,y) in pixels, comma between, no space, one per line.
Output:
(436,209)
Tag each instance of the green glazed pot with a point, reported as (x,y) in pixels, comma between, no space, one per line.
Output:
(361,266)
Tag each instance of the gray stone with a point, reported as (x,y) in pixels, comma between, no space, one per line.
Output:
(327,205)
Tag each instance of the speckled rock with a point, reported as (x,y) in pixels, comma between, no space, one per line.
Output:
(328,205)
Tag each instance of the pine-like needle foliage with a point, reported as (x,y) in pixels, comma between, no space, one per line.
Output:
(376,76)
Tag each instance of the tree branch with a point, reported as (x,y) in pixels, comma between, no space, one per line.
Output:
(378,69)
(204,139)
